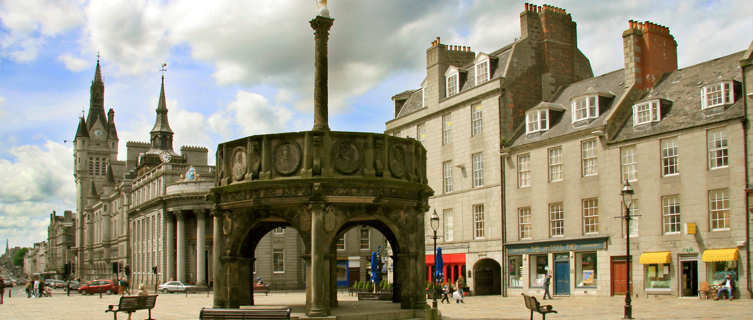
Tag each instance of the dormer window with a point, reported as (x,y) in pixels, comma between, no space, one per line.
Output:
(646,112)
(482,71)
(537,120)
(717,94)
(585,107)
(452,84)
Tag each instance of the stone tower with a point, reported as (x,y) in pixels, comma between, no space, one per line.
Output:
(161,134)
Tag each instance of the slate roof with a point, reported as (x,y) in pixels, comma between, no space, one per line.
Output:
(413,104)
(682,89)
(610,84)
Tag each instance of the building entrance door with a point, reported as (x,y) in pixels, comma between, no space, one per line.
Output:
(562,274)
(618,268)
(689,278)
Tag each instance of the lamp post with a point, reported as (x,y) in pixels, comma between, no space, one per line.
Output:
(434,226)
(627,198)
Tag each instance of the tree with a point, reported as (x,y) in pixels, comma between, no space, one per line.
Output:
(18,258)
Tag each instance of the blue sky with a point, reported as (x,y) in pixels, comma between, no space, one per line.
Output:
(237,68)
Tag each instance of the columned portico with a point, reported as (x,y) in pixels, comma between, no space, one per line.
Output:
(170,239)
(180,239)
(201,231)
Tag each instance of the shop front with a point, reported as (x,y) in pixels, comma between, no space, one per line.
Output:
(719,264)
(571,263)
(657,272)
(454,266)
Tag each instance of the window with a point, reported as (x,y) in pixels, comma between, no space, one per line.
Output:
(717,146)
(364,238)
(629,164)
(482,72)
(447,129)
(556,220)
(671,214)
(524,223)
(555,164)
(477,120)
(447,176)
(478,221)
(516,271)
(477,161)
(524,170)
(421,132)
(280,230)
(670,157)
(585,269)
(537,121)
(278,261)
(538,270)
(646,112)
(717,94)
(585,108)
(91,166)
(634,212)
(340,243)
(449,218)
(452,84)
(658,276)
(590,216)
(719,210)
(588,158)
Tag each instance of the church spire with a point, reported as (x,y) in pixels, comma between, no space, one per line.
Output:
(82,132)
(96,99)
(162,135)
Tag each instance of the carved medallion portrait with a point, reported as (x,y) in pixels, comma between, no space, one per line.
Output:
(397,160)
(346,156)
(287,158)
(239,164)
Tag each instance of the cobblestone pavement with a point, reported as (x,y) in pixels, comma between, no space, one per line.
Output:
(180,306)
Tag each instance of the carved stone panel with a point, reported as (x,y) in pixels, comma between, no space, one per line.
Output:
(346,156)
(397,160)
(254,158)
(239,164)
(287,158)
(330,220)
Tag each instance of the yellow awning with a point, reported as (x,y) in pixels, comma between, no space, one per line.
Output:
(663,257)
(714,255)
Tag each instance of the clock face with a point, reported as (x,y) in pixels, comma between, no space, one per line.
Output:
(165,157)
(98,132)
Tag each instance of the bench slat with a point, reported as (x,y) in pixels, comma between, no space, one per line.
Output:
(255,313)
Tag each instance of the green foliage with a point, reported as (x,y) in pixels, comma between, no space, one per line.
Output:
(18,258)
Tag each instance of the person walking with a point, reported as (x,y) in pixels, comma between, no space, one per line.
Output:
(2,289)
(35,289)
(445,294)
(547,282)
(28,288)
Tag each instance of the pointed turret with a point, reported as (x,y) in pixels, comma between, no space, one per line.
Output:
(82,132)
(111,131)
(96,99)
(162,135)
(109,175)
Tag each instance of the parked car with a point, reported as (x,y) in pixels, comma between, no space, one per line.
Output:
(98,286)
(175,286)
(55,283)
(74,285)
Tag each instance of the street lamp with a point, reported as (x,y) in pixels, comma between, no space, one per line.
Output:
(627,198)
(434,226)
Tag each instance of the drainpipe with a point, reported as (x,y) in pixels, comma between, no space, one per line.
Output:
(743,66)
(504,232)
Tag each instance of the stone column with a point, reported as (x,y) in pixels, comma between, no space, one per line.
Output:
(201,231)
(181,254)
(321,27)
(319,276)
(170,241)
(220,296)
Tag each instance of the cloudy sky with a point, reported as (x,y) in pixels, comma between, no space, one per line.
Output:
(237,68)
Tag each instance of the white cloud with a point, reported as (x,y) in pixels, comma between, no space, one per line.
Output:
(2,100)
(251,113)
(74,64)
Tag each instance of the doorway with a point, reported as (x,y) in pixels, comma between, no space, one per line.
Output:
(618,267)
(488,277)
(689,278)
(562,274)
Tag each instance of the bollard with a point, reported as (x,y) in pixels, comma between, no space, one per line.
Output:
(100,294)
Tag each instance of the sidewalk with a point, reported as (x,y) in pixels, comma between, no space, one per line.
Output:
(180,306)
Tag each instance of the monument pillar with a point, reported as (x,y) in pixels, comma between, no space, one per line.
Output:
(181,254)
(201,231)
(321,27)
(220,296)
(318,278)
(170,239)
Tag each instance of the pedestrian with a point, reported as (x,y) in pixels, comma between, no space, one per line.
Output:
(35,288)
(41,288)
(547,282)
(2,289)
(460,285)
(458,295)
(27,287)
(729,286)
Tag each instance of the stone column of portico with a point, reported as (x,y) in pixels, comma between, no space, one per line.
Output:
(319,265)
(220,297)
(201,231)
(170,226)
(181,254)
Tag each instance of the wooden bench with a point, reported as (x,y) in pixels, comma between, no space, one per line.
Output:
(262,287)
(130,304)
(252,312)
(534,305)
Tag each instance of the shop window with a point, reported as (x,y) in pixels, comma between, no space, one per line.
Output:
(516,271)
(658,276)
(718,271)
(585,269)
(340,245)
(537,270)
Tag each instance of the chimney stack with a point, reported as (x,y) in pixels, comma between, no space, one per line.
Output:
(650,51)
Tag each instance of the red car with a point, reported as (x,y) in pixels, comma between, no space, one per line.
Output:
(97,286)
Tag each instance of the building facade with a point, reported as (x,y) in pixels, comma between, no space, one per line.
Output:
(60,241)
